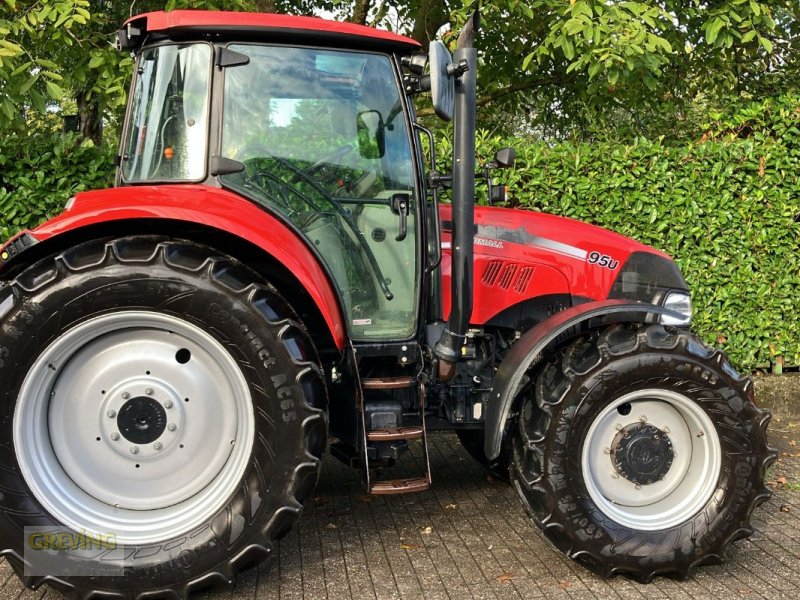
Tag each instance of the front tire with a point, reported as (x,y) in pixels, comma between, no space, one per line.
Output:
(638,450)
(473,442)
(158,394)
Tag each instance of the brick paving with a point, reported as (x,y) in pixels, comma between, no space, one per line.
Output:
(468,538)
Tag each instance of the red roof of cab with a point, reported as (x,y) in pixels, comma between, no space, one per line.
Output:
(179,19)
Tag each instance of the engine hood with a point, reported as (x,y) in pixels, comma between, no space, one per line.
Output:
(522,255)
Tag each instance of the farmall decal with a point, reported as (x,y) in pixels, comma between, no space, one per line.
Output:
(479,241)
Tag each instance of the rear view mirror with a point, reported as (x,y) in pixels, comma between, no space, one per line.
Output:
(371,136)
(442,83)
(505,157)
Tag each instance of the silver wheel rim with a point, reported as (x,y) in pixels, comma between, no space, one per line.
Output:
(690,480)
(91,405)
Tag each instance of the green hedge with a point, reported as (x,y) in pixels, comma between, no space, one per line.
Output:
(727,207)
(40,172)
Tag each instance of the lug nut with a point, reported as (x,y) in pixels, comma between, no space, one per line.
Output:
(158,446)
(115,437)
(607,450)
(111,413)
(614,475)
(149,391)
(618,427)
(125,395)
(134,449)
(172,427)
(168,404)
(643,419)
(638,486)
(665,430)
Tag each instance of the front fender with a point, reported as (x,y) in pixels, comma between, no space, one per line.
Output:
(529,350)
(211,208)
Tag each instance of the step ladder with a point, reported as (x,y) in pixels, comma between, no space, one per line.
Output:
(405,485)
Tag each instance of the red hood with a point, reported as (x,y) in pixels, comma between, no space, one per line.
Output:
(520,254)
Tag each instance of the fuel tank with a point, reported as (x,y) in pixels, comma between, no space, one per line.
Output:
(530,265)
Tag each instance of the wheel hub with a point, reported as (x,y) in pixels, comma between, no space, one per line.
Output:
(142,420)
(651,459)
(642,453)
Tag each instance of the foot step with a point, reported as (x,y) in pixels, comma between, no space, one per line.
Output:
(388,383)
(400,486)
(393,435)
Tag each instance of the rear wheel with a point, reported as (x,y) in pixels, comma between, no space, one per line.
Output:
(639,451)
(159,397)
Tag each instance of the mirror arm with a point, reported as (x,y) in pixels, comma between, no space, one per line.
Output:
(417,85)
(438,180)
(459,69)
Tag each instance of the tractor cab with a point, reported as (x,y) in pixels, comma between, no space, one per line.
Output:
(320,137)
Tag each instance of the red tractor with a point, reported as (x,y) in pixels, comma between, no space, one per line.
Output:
(273,268)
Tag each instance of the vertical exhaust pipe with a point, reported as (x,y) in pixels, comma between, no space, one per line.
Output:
(448,348)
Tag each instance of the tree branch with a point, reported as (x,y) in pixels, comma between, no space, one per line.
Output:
(522,86)
(360,11)
(430,16)
(514,88)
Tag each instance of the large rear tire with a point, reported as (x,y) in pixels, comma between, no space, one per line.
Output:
(638,450)
(160,396)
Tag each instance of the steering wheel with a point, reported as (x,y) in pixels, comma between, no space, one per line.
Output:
(336,153)
(345,216)
(256,151)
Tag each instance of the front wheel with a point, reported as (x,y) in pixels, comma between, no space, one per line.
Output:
(638,450)
(163,419)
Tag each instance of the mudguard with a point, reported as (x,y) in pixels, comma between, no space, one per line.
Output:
(529,350)
(184,206)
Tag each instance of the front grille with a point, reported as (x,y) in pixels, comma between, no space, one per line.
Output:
(523,279)
(492,269)
(507,275)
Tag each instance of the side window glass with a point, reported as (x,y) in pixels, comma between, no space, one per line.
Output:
(324,142)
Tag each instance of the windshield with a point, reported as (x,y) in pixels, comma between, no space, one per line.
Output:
(167,132)
(323,141)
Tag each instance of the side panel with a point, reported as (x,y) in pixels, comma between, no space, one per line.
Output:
(211,207)
(502,282)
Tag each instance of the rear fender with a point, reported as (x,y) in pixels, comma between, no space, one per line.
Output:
(185,212)
(531,349)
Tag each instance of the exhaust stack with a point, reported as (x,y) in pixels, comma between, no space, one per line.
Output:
(448,348)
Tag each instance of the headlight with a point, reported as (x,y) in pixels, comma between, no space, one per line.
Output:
(679,302)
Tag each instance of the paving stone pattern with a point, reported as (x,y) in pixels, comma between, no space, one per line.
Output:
(468,538)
